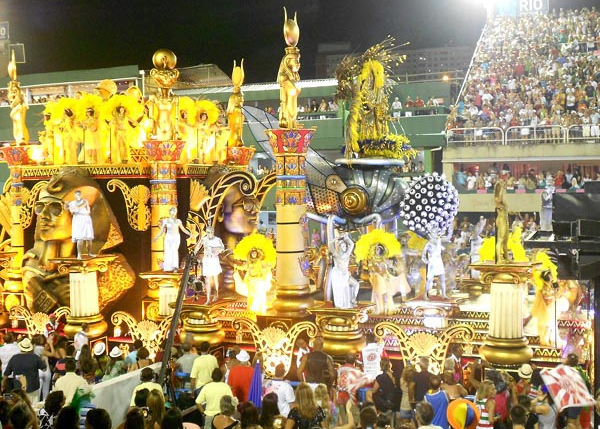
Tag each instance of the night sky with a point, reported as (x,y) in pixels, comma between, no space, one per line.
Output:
(83,34)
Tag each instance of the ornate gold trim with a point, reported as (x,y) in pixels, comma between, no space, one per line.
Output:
(136,200)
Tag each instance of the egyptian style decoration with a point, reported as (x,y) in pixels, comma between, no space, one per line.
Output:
(18,105)
(172,169)
(35,323)
(502,226)
(435,346)
(362,81)
(228,201)
(288,76)
(235,115)
(45,287)
(136,200)
(275,343)
(148,332)
(163,104)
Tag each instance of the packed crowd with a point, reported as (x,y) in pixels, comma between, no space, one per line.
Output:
(535,71)
(364,392)
(471,179)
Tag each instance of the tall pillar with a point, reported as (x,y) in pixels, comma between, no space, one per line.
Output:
(83,293)
(16,156)
(505,343)
(293,291)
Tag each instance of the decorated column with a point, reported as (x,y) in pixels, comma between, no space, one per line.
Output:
(505,343)
(16,157)
(290,143)
(163,151)
(293,292)
(83,292)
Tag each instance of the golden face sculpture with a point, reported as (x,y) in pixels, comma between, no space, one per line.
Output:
(53,220)
(240,213)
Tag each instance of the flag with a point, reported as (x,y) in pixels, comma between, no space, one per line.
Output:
(567,388)
(255,393)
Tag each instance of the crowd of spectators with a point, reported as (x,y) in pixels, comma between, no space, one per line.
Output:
(532,71)
(368,390)
(311,106)
(571,179)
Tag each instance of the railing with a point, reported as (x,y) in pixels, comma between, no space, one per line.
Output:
(535,134)
(585,133)
(524,135)
(475,136)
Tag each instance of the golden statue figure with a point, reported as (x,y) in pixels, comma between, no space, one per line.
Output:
(235,116)
(121,112)
(501,222)
(288,75)
(88,121)
(18,106)
(164,103)
(45,287)
(46,137)
(69,130)
(187,130)
(207,115)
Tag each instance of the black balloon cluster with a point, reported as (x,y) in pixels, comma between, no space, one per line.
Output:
(430,205)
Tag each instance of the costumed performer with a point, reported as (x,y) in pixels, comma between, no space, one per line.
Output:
(211,266)
(82,232)
(376,248)
(343,285)
(170,228)
(258,257)
(432,256)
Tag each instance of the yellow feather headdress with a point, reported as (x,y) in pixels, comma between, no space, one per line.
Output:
(58,109)
(133,109)
(188,105)
(258,242)
(87,101)
(366,243)
(210,108)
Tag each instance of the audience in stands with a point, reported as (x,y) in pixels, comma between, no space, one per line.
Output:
(534,71)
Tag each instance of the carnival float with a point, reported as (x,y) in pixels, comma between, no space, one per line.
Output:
(93,214)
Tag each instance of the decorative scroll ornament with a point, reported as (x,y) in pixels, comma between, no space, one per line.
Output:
(29,197)
(435,346)
(136,200)
(147,331)
(276,342)
(35,323)
(206,214)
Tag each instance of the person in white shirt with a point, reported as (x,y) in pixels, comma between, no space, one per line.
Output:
(396,108)
(70,383)
(80,339)
(8,350)
(285,392)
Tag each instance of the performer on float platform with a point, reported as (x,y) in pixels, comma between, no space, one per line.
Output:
(170,227)
(211,267)
(82,226)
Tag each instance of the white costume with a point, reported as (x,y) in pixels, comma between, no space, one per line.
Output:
(340,276)
(171,243)
(83,228)
(213,246)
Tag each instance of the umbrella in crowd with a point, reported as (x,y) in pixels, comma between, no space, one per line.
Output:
(566,387)
(255,393)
